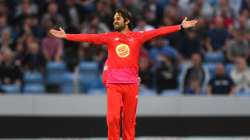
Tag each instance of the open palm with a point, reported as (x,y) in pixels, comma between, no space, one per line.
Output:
(188,24)
(58,33)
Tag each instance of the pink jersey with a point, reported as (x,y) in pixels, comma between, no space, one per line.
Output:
(121,65)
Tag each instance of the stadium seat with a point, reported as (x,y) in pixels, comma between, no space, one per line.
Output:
(88,66)
(33,77)
(146,92)
(98,92)
(10,89)
(67,89)
(214,57)
(171,93)
(55,67)
(246,93)
(67,83)
(229,68)
(54,71)
(210,68)
(55,78)
(89,76)
(183,67)
(88,86)
(34,89)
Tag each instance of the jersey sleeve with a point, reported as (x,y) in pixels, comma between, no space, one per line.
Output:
(90,38)
(147,35)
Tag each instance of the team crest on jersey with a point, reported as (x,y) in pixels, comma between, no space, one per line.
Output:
(122,50)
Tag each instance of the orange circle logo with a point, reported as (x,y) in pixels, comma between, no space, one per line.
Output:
(122,50)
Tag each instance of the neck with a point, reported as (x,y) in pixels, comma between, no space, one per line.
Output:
(125,30)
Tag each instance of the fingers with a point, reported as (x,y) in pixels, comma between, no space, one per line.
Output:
(194,21)
(61,29)
(51,31)
(190,23)
(185,19)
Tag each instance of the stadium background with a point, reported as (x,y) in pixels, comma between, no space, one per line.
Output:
(46,81)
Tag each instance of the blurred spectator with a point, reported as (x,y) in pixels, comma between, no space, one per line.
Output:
(3,8)
(166,73)
(245,5)
(242,24)
(241,34)
(6,40)
(20,51)
(104,10)
(224,10)
(52,48)
(218,34)
(237,47)
(195,77)
(31,26)
(190,44)
(87,7)
(197,8)
(88,51)
(53,15)
(142,25)
(221,83)
(94,25)
(194,88)
(26,7)
(71,11)
(145,73)
(3,24)
(173,38)
(10,73)
(202,34)
(131,5)
(22,48)
(171,12)
(71,50)
(236,6)
(184,6)
(34,60)
(152,12)
(158,46)
(1,59)
(241,76)
(91,52)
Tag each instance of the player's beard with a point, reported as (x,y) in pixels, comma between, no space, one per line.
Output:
(119,27)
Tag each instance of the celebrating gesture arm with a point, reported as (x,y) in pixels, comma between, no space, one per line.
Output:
(90,38)
(147,35)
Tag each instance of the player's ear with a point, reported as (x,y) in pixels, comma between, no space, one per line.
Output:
(127,21)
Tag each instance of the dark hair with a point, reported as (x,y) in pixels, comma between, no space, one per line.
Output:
(126,15)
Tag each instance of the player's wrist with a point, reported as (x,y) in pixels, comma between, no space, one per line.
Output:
(64,36)
(181,27)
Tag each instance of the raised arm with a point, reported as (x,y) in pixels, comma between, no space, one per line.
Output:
(147,35)
(90,38)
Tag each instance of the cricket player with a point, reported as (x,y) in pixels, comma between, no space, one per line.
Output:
(120,74)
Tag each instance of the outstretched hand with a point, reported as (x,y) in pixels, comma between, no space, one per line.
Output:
(58,33)
(188,24)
